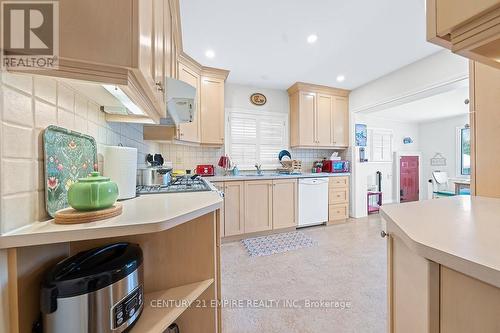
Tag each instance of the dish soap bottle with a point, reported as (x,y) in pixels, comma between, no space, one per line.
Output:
(236,171)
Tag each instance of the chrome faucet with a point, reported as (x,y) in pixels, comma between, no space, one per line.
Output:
(259,169)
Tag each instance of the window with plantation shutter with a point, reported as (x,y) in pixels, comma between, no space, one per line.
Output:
(256,138)
(379,145)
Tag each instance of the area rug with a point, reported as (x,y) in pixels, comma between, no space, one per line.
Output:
(276,243)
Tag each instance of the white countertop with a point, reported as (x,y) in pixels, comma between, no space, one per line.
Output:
(267,176)
(460,232)
(144,214)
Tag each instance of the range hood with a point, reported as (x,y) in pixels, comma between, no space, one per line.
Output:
(181,103)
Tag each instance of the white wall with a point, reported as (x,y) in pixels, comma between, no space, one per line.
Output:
(426,74)
(237,96)
(365,172)
(417,80)
(440,137)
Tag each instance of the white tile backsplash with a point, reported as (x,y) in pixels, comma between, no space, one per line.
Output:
(17,176)
(17,107)
(25,111)
(45,114)
(46,89)
(17,142)
(24,83)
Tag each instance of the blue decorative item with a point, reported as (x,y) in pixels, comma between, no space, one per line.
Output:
(407,140)
(361,135)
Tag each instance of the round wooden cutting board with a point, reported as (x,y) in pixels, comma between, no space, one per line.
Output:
(71,216)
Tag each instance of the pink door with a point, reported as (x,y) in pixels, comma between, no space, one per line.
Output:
(409,182)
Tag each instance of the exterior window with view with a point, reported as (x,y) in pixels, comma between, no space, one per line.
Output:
(464,145)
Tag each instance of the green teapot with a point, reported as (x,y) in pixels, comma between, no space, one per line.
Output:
(94,192)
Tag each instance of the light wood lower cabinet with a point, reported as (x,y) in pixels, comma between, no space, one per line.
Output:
(412,290)
(284,203)
(426,297)
(258,205)
(338,198)
(468,305)
(234,208)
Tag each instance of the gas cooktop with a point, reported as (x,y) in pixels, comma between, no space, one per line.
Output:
(182,184)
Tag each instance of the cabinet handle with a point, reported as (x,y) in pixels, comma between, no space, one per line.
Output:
(159,86)
(383,234)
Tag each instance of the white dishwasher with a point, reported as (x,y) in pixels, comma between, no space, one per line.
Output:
(313,201)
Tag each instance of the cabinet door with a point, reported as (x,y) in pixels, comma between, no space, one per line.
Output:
(258,205)
(452,13)
(324,113)
(307,119)
(284,203)
(212,111)
(220,187)
(485,122)
(190,131)
(413,290)
(340,122)
(146,41)
(234,208)
(159,48)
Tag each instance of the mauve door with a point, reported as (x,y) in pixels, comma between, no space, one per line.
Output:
(409,182)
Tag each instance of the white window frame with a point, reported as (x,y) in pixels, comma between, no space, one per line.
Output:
(259,115)
(381,131)
(458,154)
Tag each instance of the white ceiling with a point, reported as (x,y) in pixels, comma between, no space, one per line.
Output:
(444,105)
(263,43)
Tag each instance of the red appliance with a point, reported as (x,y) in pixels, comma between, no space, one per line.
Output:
(335,166)
(205,170)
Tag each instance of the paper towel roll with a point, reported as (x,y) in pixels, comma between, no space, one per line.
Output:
(120,164)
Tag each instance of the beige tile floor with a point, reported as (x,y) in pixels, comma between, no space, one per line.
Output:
(347,264)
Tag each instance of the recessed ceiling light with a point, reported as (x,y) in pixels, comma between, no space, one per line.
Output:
(312,39)
(210,54)
(340,78)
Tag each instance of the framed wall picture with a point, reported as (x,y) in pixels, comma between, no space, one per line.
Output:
(361,135)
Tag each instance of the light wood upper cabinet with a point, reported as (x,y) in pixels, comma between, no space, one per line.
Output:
(306,114)
(318,116)
(212,106)
(159,61)
(340,122)
(324,115)
(146,40)
(485,122)
(208,126)
(190,131)
(258,205)
(234,208)
(469,28)
(284,203)
(121,43)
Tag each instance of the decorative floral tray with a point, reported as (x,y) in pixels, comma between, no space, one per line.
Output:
(68,155)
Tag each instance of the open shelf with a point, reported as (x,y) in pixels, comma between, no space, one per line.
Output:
(157,319)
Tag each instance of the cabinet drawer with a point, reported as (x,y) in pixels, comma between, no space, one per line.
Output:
(338,212)
(338,195)
(338,182)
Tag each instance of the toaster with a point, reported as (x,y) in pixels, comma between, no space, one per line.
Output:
(205,170)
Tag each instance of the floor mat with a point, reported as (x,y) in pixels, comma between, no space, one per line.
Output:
(276,243)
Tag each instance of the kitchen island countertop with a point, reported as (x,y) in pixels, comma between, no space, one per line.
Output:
(141,215)
(460,232)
